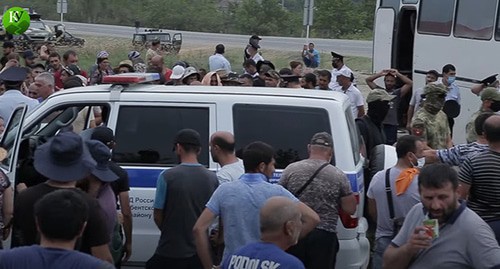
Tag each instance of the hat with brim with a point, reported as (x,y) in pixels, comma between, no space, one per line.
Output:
(189,72)
(14,73)
(379,95)
(231,77)
(101,155)
(64,158)
(265,62)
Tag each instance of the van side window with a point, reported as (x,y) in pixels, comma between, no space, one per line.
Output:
(145,134)
(287,128)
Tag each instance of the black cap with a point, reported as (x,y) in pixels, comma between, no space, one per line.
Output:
(254,44)
(14,73)
(8,44)
(255,37)
(291,78)
(38,65)
(489,80)
(28,54)
(266,62)
(337,56)
(188,136)
(103,134)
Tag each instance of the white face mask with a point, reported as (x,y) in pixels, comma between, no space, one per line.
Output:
(420,162)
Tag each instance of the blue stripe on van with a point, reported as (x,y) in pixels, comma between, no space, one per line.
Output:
(146,178)
(143,178)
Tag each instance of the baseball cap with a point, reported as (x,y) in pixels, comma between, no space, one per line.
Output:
(379,95)
(134,54)
(272,74)
(28,54)
(188,136)
(490,94)
(255,37)
(343,72)
(177,72)
(103,134)
(322,139)
(435,89)
(102,54)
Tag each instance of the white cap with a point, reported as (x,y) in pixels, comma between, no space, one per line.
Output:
(177,72)
(343,72)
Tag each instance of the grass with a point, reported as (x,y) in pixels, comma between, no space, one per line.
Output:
(118,49)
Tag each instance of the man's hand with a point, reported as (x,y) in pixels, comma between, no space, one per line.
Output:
(127,251)
(419,240)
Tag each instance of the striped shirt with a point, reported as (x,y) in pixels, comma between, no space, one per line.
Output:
(482,173)
(458,154)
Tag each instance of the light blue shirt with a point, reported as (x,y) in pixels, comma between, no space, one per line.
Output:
(12,99)
(238,204)
(218,61)
(453,93)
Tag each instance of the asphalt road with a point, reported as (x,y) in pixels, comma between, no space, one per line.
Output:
(199,39)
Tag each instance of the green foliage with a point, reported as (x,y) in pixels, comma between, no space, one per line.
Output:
(332,18)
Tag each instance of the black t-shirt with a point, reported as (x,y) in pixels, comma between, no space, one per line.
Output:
(122,183)
(95,233)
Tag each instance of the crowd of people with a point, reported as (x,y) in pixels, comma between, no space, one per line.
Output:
(236,218)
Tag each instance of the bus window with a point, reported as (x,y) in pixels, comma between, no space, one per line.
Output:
(475,21)
(436,17)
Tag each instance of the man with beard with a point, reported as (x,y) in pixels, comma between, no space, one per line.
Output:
(459,239)
(391,77)
(430,122)
(490,99)
(181,194)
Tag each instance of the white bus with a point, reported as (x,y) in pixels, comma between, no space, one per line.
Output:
(415,36)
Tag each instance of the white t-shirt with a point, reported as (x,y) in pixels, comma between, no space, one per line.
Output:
(355,97)
(230,172)
(416,99)
(333,82)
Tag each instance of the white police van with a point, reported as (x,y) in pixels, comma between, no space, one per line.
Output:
(146,117)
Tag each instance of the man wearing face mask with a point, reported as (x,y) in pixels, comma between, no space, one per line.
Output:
(370,125)
(452,101)
(238,204)
(402,181)
(430,123)
(325,188)
(490,98)
(338,66)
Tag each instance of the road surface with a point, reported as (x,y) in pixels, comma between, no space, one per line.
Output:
(199,39)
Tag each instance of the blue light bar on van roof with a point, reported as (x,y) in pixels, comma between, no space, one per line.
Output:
(130,78)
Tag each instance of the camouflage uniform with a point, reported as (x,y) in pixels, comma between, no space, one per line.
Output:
(490,94)
(470,127)
(432,127)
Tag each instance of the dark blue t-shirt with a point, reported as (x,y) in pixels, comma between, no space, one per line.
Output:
(37,257)
(261,255)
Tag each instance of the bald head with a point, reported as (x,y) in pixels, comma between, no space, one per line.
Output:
(276,212)
(157,61)
(224,140)
(492,129)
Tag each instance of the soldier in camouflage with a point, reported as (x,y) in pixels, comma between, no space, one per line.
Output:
(431,123)
(490,98)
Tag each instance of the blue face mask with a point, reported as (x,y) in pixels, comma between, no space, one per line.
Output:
(451,80)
